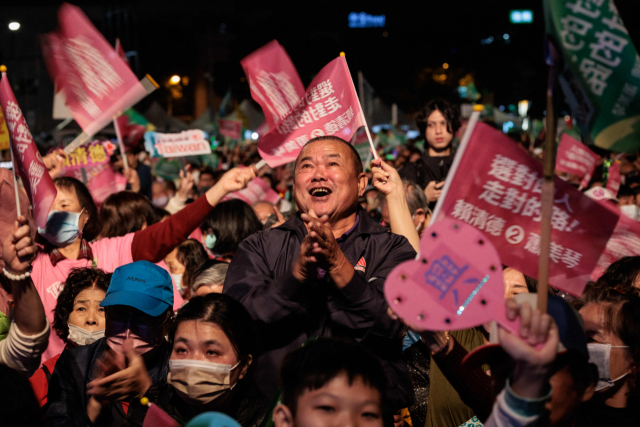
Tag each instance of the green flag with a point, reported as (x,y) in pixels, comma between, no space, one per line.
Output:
(601,74)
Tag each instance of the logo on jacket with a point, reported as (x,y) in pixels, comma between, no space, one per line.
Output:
(361,265)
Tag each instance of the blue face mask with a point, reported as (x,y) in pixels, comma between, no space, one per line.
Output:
(210,241)
(62,228)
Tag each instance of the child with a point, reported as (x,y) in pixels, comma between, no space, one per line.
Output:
(330,382)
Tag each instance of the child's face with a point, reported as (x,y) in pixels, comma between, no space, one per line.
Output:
(337,404)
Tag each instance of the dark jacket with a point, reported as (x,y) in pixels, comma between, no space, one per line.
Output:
(244,404)
(75,368)
(427,169)
(288,312)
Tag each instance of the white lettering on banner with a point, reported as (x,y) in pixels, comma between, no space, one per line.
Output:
(36,171)
(557,253)
(629,92)
(287,89)
(95,71)
(516,201)
(479,218)
(604,52)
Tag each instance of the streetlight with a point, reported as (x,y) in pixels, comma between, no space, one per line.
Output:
(445,66)
(175,79)
(14,26)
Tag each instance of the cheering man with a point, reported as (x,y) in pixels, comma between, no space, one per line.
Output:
(321,273)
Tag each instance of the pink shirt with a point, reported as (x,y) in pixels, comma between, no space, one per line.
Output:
(109,254)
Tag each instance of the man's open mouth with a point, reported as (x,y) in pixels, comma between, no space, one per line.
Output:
(319,192)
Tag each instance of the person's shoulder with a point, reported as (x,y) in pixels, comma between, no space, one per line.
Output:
(81,355)
(272,238)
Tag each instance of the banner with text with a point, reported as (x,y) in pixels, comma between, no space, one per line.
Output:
(330,107)
(576,158)
(601,74)
(274,81)
(257,190)
(186,143)
(497,187)
(28,162)
(230,128)
(625,241)
(96,82)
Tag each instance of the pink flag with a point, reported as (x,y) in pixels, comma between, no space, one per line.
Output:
(625,241)
(230,128)
(496,188)
(256,191)
(27,160)
(120,52)
(575,158)
(615,179)
(274,81)
(156,417)
(96,82)
(330,107)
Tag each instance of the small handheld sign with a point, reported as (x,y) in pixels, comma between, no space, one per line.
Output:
(455,283)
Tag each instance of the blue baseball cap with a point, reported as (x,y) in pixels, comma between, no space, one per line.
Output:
(141,285)
(213,419)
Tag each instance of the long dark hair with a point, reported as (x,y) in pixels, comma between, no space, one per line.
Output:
(232,222)
(78,280)
(92,227)
(125,212)
(225,312)
(192,255)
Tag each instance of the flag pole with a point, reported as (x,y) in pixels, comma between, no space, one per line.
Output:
(3,70)
(125,162)
(548,175)
(364,120)
(477,109)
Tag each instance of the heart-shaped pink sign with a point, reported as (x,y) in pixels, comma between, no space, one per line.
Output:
(455,283)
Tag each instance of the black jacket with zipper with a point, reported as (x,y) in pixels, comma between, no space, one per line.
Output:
(288,312)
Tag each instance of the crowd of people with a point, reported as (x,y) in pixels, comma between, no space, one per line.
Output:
(173,294)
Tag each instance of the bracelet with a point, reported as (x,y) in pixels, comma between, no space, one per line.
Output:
(16,277)
(443,348)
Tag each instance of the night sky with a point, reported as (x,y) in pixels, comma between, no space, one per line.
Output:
(191,38)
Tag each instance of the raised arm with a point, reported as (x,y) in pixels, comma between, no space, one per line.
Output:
(155,242)
(29,332)
(387,180)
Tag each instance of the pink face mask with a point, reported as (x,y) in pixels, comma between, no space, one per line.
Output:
(143,337)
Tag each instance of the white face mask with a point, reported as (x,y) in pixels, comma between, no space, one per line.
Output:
(631,211)
(177,279)
(200,381)
(80,336)
(599,355)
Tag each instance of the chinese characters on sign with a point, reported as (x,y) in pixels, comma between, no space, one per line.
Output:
(274,81)
(576,158)
(601,74)
(96,153)
(330,107)
(503,200)
(28,162)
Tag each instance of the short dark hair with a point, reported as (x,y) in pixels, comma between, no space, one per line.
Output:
(225,312)
(357,161)
(232,221)
(78,280)
(125,212)
(209,171)
(449,111)
(621,274)
(92,227)
(191,254)
(320,361)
